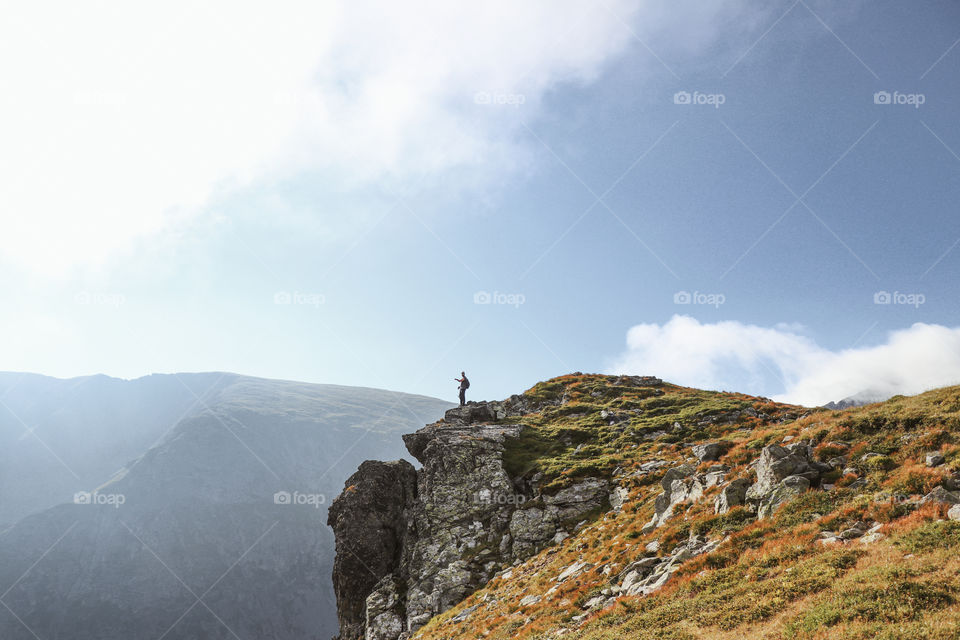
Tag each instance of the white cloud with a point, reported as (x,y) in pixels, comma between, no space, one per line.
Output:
(741,357)
(120,120)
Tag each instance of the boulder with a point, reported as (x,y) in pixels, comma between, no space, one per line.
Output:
(708,451)
(474,412)
(586,495)
(732,495)
(775,464)
(648,575)
(595,602)
(851,533)
(782,474)
(954,512)
(463,615)
(617,498)
(679,486)
(838,462)
(935,459)
(530,600)
(574,569)
(637,571)
(941,495)
(713,479)
(789,488)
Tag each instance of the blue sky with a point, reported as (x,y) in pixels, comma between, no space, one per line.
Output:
(329,193)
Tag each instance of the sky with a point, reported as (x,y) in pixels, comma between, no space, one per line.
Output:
(738,195)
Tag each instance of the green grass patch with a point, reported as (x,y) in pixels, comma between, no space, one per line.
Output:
(930,536)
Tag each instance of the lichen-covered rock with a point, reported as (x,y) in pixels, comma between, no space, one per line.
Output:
(574,570)
(446,529)
(782,474)
(788,489)
(573,502)
(935,459)
(474,412)
(618,497)
(837,462)
(370,521)
(732,495)
(775,464)
(708,451)
(679,486)
(385,614)
(713,479)
(940,494)
(463,508)
(530,600)
(648,575)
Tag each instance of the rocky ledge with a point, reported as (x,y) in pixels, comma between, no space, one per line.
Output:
(413,543)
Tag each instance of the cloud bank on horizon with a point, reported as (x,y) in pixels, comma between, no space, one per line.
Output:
(735,356)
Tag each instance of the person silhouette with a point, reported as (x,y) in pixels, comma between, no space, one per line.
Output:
(464,385)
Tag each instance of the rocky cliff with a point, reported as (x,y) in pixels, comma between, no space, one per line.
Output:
(411,544)
(595,507)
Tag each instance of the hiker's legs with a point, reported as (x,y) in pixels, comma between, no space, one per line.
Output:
(463,397)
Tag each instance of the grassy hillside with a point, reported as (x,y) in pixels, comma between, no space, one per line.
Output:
(772,578)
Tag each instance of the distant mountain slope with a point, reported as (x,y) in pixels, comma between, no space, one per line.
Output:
(58,436)
(229,507)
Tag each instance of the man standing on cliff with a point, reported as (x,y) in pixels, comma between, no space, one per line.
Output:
(464,385)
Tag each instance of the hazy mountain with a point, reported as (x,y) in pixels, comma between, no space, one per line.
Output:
(216,531)
(60,436)
(859,399)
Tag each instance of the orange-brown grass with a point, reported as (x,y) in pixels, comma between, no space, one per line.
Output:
(768,579)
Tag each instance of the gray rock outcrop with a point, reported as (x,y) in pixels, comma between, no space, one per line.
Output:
(370,520)
(435,535)
(708,451)
(680,486)
(732,495)
(782,474)
(646,576)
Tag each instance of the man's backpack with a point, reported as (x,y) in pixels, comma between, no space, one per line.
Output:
(466,383)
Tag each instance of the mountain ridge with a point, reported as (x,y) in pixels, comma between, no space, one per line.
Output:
(712,514)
